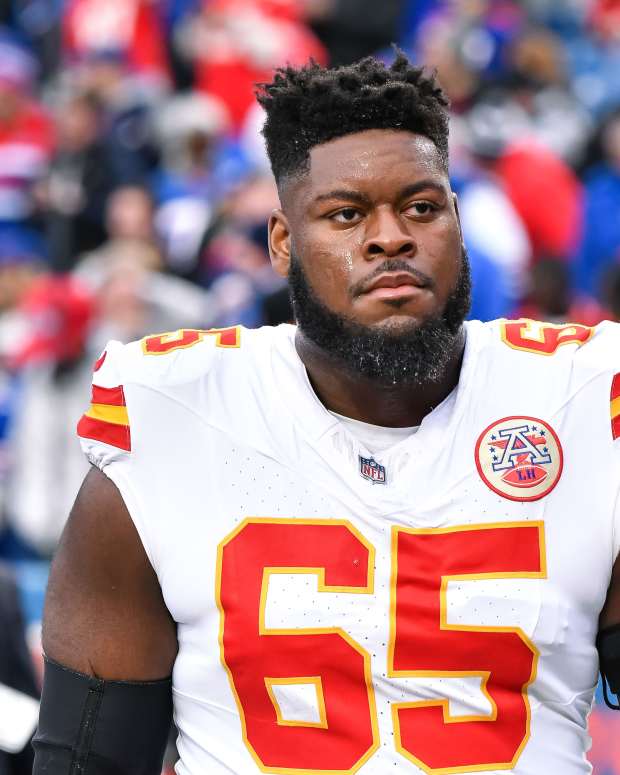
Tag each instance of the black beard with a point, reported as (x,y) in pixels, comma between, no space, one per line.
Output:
(415,355)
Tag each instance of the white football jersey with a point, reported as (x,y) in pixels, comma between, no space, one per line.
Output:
(432,608)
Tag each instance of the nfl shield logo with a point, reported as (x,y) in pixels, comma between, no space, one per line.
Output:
(370,469)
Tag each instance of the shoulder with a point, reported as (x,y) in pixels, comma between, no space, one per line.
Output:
(135,382)
(561,345)
(561,361)
(571,353)
(183,357)
(172,358)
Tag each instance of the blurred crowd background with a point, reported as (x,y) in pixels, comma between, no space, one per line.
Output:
(135,190)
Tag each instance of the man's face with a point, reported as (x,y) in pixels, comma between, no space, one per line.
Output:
(373,224)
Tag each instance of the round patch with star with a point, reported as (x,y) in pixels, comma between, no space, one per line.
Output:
(519,458)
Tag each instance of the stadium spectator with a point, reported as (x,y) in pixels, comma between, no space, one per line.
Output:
(26,133)
(126,102)
(546,194)
(611,291)
(352,30)
(605,19)
(129,220)
(74,194)
(600,243)
(495,237)
(131,30)
(133,299)
(237,43)
(23,258)
(133,295)
(54,315)
(235,261)
(61,341)
(537,83)
(190,181)
(552,297)
(437,44)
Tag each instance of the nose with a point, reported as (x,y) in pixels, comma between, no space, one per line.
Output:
(387,236)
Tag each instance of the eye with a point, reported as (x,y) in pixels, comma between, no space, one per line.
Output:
(422,208)
(347,215)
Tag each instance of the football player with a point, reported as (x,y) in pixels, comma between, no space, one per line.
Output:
(379,541)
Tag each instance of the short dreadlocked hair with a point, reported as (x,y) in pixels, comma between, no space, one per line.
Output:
(312,105)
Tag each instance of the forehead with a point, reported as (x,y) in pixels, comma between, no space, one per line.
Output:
(377,160)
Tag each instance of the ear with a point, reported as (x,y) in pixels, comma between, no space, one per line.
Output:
(455,201)
(279,243)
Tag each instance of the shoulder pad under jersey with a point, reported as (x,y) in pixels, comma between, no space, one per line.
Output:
(572,354)
(159,361)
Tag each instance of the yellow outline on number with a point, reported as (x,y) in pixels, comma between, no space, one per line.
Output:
(322,587)
(443,625)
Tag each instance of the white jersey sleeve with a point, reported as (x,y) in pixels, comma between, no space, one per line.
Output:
(104,429)
(134,392)
(105,433)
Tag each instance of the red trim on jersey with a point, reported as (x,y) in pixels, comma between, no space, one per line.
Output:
(107,432)
(227,337)
(100,360)
(110,396)
(615,415)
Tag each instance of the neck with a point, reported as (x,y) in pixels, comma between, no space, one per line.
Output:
(355,396)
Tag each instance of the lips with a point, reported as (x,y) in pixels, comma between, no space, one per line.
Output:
(393,286)
(394,280)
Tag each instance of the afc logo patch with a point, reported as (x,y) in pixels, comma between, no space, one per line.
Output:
(519,458)
(371,470)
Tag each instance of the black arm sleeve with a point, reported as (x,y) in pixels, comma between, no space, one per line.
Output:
(88,726)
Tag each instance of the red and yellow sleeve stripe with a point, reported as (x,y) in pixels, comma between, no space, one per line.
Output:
(615,407)
(107,418)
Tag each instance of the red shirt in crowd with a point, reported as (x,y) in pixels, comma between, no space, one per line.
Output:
(547,195)
(244,41)
(26,147)
(129,28)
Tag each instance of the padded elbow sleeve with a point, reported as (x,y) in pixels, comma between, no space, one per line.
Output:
(88,726)
(608,645)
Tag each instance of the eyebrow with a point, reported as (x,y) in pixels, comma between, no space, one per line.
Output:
(363,199)
(421,185)
(344,193)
